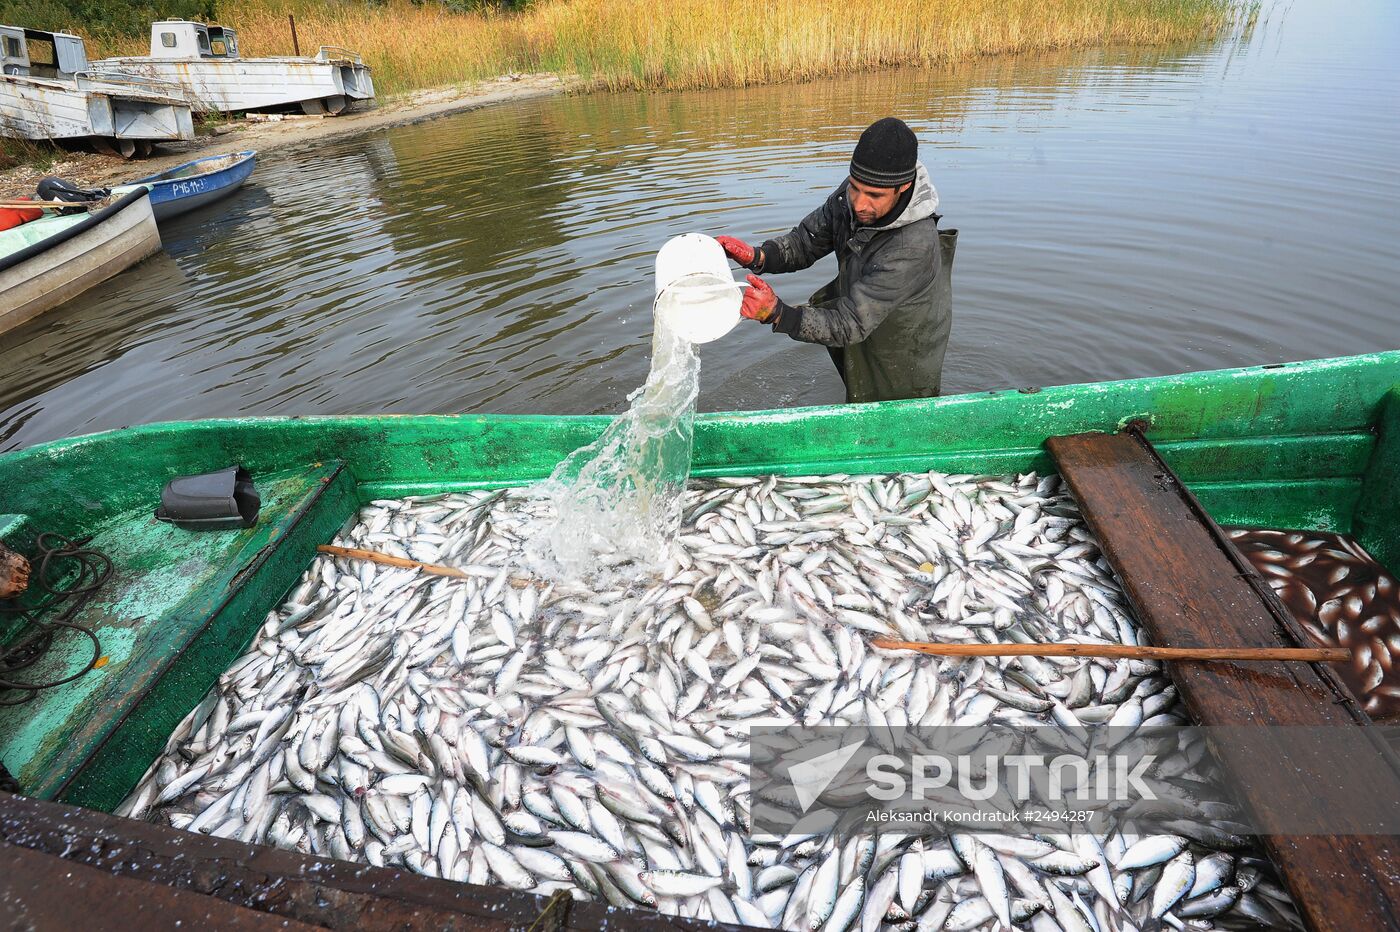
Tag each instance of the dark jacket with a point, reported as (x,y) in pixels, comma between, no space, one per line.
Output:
(886,316)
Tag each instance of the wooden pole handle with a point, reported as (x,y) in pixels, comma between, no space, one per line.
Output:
(374,556)
(1122,651)
(44,205)
(1116,651)
(436,569)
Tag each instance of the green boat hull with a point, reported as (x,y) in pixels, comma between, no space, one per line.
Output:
(1307,445)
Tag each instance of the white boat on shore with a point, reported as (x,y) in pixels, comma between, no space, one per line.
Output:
(46,262)
(48,93)
(204,60)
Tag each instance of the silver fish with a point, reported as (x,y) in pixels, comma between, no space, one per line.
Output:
(546,734)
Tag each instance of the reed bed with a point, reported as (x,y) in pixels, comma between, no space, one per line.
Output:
(677,44)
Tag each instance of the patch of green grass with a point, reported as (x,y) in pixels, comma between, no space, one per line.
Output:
(39,155)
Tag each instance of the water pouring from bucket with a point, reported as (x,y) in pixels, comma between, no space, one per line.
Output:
(614,507)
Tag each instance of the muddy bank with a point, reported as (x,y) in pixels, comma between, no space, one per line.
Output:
(91,168)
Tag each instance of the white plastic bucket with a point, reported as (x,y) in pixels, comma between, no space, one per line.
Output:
(695,291)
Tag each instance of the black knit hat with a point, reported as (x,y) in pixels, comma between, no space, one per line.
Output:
(887,154)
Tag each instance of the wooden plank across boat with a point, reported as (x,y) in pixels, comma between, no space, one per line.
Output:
(1301,445)
(46,262)
(186,187)
(1190,586)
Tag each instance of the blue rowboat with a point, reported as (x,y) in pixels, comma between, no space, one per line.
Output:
(194,184)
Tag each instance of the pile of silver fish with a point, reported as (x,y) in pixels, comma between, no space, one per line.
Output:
(1342,598)
(547,736)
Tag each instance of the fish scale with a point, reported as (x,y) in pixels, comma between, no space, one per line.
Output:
(541,735)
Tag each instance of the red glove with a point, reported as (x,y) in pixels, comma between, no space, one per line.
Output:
(760,303)
(736,249)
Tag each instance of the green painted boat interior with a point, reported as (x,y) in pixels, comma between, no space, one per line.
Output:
(1312,445)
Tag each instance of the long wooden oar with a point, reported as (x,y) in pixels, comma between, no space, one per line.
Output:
(45,205)
(375,556)
(1122,651)
(1116,651)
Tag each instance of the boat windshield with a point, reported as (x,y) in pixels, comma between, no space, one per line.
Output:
(43,56)
(222,43)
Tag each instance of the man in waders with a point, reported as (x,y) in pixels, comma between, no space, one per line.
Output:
(885,317)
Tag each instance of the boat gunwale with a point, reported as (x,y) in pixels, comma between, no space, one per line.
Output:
(104,88)
(260,59)
(41,82)
(879,414)
(711,420)
(237,159)
(69,483)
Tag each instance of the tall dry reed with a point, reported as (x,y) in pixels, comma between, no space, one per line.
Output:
(702,43)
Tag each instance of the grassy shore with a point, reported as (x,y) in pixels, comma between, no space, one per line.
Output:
(701,43)
(36,154)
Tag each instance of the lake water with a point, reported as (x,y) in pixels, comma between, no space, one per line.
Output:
(1123,212)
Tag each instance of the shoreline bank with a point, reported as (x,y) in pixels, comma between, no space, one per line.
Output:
(94,169)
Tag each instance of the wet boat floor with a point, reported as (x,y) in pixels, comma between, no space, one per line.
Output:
(167,622)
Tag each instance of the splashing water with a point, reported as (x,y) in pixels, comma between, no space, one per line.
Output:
(615,505)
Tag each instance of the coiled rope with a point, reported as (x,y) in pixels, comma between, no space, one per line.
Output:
(57,555)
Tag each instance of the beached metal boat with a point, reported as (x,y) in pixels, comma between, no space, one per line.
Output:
(194,184)
(48,261)
(46,92)
(204,60)
(1302,445)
